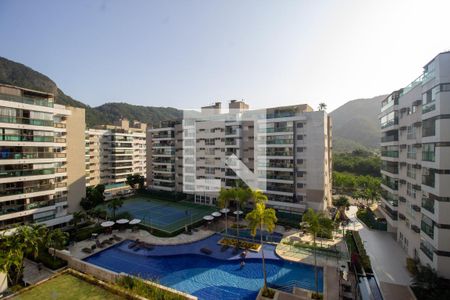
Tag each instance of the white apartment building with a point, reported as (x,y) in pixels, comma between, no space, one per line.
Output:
(415,150)
(41,180)
(113,152)
(293,154)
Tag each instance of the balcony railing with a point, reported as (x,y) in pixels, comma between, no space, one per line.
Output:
(25,155)
(428,252)
(26,121)
(428,156)
(27,100)
(427,229)
(20,173)
(389,153)
(428,204)
(26,190)
(427,107)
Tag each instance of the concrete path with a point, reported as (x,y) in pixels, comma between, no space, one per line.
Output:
(32,273)
(387,258)
(142,235)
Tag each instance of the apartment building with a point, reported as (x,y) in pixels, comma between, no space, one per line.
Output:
(41,178)
(415,150)
(287,148)
(112,153)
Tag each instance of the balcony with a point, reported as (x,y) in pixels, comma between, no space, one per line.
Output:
(415,228)
(391,213)
(47,102)
(25,155)
(26,121)
(428,156)
(393,154)
(427,229)
(427,107)
(20,173)
(426,250)
(428,204)
(26,190)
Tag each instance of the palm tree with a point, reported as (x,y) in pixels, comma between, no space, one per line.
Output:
(225,196)
(257,196)
(322,106)
(242,195)
(259,218)
(78,216)
(316,223)
(56,239)
(114,204)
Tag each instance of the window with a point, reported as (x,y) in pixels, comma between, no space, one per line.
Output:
(411,132)
(428,152)
(429,127)
(299,149)
(410,191)
(428,177)
(411,152)
(299,125)
(410,171)
(389,119)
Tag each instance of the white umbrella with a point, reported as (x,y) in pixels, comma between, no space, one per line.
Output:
(224,210)
(208,218)
(238,212)
(216,214)
(107,224)
(135,221)
(122,221)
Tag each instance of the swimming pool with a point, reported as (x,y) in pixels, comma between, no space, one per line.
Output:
(273,237)
(219,276)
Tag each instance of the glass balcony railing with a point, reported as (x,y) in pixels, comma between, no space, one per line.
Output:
(27,100)
(19,173)
(26,190)
(427,107)
(427,229)
(389,153)
(26,155)
(26,121)
(428,251)
(428,204)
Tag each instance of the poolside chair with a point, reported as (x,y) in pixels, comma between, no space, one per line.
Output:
(206,251)
(99,245)
(87,250)
(117,238)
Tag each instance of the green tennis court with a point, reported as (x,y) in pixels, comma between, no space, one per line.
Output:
(168,216)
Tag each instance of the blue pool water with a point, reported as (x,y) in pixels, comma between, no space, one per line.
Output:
(218,276)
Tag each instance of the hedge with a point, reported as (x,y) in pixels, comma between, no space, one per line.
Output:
(368,217)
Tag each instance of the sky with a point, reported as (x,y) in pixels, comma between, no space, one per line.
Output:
(187,54)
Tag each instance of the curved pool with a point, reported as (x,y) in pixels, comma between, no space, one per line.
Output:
(219,276)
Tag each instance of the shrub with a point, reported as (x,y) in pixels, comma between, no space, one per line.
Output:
(368,217)
(411,265)
(139,287)
(241,244)
(86,232)
(364,258)
(268,293)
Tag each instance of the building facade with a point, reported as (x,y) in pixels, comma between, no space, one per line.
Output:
(112,153)
(41,178)
(292,158)
(415,152)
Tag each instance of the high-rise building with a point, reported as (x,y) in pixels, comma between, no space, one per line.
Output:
(41,178)
(415,152)
(292,158)
(112,153)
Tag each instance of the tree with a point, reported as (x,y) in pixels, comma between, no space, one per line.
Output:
(259,218)
(78,216)
(114,204)
(225,197)
(94,197)
(316,223)
(322,106)
(26,240)
(257,196)
(242,195)
(55,239)
(136,180)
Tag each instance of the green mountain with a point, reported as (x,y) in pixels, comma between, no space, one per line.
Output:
(17,74)
(356,125)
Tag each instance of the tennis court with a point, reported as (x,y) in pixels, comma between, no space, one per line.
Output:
(163,215)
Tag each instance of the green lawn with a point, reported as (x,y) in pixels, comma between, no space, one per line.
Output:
(67,287)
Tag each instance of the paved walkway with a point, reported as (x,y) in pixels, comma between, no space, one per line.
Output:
(33,274)
(142,235)
(387,258)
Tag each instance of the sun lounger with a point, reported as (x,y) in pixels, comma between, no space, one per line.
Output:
(87,250)
(206,251)
(99,245)
(117,238)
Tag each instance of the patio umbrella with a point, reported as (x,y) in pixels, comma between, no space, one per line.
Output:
(135,221)
(208,218)
(224,210)
(238,212)
(216,214)
(107,224)
(122,221)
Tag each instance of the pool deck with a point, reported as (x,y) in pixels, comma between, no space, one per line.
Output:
(142,235)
